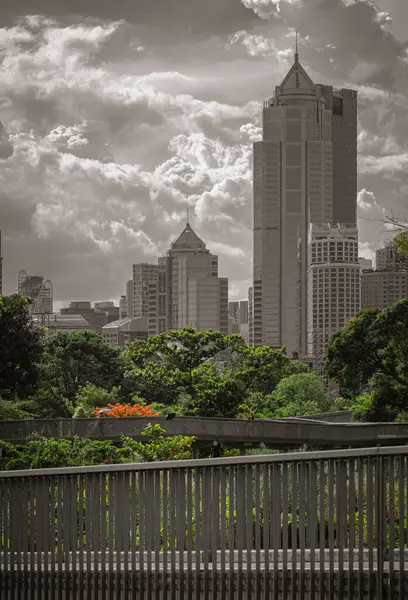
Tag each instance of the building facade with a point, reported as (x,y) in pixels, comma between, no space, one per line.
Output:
(39,291)
(333,284)
(94,317)
(309,131)
(190,291)
(145,293)
(123,331)
(380,289)
(390,258)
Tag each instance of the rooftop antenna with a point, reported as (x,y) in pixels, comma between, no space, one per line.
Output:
(187,216)
(296,48)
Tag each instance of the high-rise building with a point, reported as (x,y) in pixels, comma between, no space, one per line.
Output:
(305,171)
(39,291)
(190,291)
(123,307)
(383,288)
(1,269)
(390,257)
(250,317)
(145,295)
(333,284)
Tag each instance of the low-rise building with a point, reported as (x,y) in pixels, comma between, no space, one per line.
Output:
(118,333)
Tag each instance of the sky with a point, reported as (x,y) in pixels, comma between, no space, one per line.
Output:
(118,116)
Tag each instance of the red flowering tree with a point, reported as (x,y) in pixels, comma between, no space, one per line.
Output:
(125,410)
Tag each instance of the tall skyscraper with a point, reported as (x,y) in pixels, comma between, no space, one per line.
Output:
(145,295)
(333,284)
(190,291)
(39,291)
(308,132)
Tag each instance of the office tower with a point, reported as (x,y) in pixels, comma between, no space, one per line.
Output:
(250,317)
(190,291)
(1,269)
(333,284)
(308,131)
(39,291)
(390,257)
(145,295)
(123,307)
(383,288)
(365,263)
(233,310)
(129,298)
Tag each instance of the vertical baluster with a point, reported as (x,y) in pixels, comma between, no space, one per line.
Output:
(285,528)
(322,527)
(257,468)
(391,520)
(352,526)
(370,526)
(266,526)
(249,529)
(401,521)
(190,540)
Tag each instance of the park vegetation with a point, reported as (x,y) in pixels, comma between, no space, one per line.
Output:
(189,373)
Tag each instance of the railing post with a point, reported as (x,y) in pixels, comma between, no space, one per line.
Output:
(380,516)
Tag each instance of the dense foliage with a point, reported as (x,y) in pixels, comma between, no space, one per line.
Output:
(369,360)
(42,453)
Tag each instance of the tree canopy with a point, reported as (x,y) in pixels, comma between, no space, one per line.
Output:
(20,348)
(369,361)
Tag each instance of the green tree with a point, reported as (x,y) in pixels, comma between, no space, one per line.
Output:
(71,361)
(352,354)
(20,348)
(369,358)
(261,368)
(90,397)
(14,411)
(300,394)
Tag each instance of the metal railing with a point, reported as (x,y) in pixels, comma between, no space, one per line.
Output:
(303,525)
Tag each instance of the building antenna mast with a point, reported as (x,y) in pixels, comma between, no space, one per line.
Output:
(296,48)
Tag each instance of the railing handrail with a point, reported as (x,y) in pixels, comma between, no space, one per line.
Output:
(212,462)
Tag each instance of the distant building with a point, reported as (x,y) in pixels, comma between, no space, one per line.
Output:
(365,263)
(250,317)
(380,289)
(118,333)
(145,295)
(304,171)
(238,312)
(39,291)
(333,284)
(187,274)
(66,322)
(112,311)
(123,308)
(390,258)
(95,318)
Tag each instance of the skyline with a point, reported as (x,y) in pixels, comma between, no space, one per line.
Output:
(173,119)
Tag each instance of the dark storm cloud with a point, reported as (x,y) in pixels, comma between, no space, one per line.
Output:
(167,19)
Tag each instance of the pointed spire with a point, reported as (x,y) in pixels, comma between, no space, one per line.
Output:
(187,216)
(296,48)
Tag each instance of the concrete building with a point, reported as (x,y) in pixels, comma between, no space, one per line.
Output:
(39,291)
(389,257)
(123,308)
(62,322)
(1,269)
(334,280)
(108,307)
(145,295)
(305,171)
(190,291)
(365,263)
(94,317)
(251,317)
(380,289)
(122,331)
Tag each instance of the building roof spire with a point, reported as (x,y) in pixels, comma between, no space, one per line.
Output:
(296,48)
(187,216)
